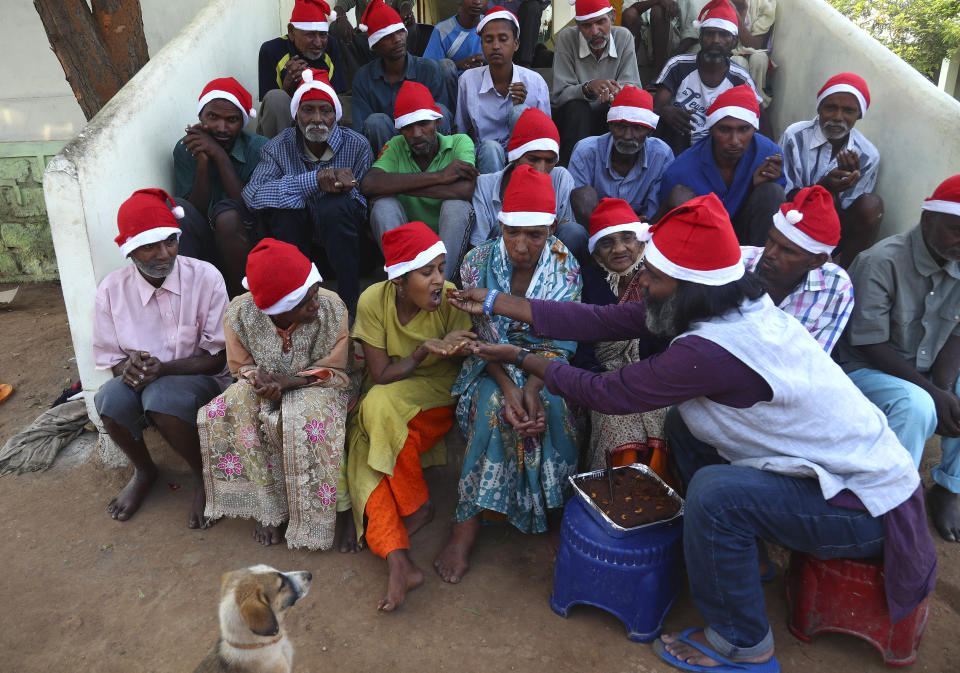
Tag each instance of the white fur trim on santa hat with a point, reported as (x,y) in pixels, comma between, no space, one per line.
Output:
(846,88)
(713,277)
(291,300)
(535,145)
(737,112)
(420,261)
(722,24)
(382,33)
(147,237)
(785,225)
(519,218)
(634,115)
(636,227)
(503,14)
(593,15)
(321,26)
(421,115)
(938,206)
(308,84)
(227,96)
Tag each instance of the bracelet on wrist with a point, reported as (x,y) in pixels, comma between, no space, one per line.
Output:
(523,353)
(488,301)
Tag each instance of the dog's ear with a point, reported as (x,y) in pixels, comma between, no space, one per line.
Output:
(257,613)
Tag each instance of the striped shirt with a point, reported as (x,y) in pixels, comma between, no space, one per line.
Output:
(808,156)
(286,178)
(822,303)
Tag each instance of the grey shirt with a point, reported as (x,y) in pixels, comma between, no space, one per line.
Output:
(574,64)
(904,298)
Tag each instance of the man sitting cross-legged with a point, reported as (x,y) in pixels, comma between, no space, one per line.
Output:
(422,175)
(158,326)
(828,151)
(736,163)
(307,44)
(796,454)
(211,164)
(535,143)
(795,270)
(902,348)
(377,84)
(625,163)
(306,185)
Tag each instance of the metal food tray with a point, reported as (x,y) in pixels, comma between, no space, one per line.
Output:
(606,522)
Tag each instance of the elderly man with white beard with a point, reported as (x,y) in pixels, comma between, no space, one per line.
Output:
(827,151)
(306,184)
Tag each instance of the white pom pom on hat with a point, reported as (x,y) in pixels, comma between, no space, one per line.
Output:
(697,24)
(177,212)
(332,16)
(794,216)
(363,28)
(252,112)
(306,75)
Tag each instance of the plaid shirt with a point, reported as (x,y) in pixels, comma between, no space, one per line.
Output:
(822,303)
(285,178)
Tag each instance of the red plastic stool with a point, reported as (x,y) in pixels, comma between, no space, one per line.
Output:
(847,596)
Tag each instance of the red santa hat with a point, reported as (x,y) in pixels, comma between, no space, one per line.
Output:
(529,200)
(148,216)
(718,14)
(533,131)
(409,247)
(230,90)
(495,13)
(315,85)
(634,106)
(590,9)
(278,276)
(611,216)
(414,104)
(946,198)
(695,242)
(378,21)
(312,15)
(847,82)
(739,102)
(810,220)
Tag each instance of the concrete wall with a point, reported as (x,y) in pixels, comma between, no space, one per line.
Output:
(915,126)
(127,146)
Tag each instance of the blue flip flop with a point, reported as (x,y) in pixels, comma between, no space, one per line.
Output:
(726,666)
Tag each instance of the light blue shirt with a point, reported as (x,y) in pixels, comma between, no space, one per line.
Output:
(482,112)
(451,40)
(590,165)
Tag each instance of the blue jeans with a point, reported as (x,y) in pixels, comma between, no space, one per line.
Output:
(491,155)
(912,416)
(727,509)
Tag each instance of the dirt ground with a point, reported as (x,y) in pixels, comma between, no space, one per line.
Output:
(86,593)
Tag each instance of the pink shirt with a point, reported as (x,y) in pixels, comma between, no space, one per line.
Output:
(180,319)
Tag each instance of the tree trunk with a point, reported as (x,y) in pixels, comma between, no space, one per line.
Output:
(88,60)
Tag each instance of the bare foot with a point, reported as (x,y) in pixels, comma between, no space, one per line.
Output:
(197,519)
(267,535)
(453,561)
(691,655)
(404,576)
(945,511)
(128,501)
(348,538)
(419,519)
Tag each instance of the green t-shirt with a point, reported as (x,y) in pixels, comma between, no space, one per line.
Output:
(397,158)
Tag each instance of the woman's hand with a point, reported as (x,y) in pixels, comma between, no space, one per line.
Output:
(534,407)
(513,409)
(459,342)
(470,301)
(495,352)
(266,385)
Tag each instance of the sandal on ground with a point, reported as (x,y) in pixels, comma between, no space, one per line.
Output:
(6,390)
(726,666)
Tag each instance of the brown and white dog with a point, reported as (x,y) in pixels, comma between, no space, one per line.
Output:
(253,602)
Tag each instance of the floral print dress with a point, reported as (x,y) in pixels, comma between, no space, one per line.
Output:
(275,461)
(520,477)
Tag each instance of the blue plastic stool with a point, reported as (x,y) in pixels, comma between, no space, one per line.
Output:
(635,578)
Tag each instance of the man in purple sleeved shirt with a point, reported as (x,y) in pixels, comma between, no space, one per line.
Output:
(780,464)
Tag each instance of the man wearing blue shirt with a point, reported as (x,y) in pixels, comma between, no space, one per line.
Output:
(743,168)
(456,39)
(625,163)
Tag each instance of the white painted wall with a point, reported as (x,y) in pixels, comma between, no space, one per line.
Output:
(36,102)
(915,126)
(128,145)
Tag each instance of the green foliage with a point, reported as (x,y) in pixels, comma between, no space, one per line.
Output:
(921,32)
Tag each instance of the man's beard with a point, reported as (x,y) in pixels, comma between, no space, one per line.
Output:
(714,55)
(316,133)
(624,146)
(599,41)
(150,269)
(835,130)
(425,149)
(663,315)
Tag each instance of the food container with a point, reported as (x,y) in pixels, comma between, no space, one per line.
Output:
(606,522)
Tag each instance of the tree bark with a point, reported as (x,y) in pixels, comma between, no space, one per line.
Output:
(88,62)
(119,24)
